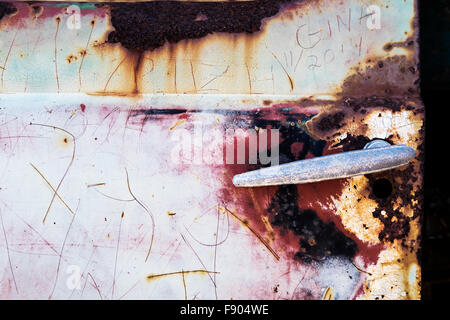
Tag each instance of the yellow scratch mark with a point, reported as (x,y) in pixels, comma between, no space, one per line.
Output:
(260,238)
(179,122)
(184,285)
(264,219)
(160,275)
(328,294)
(268,226)
(96,184)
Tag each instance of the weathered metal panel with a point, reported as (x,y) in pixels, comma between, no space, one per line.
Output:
(91,122)
(304,47)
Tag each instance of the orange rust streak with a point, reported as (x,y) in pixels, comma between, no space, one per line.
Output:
(179,122)
(160,275)
(260,238)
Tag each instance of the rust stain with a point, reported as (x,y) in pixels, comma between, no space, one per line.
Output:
(148,26)
(7,9)
(36,11)
(407,44)
(142,28)
(71,58)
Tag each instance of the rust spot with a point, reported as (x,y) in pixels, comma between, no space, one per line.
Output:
(82,53)
(388,47)
(147,26)
(71,58)
(36,11)
(6,9)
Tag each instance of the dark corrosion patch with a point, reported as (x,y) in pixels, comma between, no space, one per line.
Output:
(318,239)
(403,181)
(358,104)
(6,8)
(331,121)
(351,142)
(147,26)
(392,76)
(396,224)
(387,189)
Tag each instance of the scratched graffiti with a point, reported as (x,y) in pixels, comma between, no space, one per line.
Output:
(95,102)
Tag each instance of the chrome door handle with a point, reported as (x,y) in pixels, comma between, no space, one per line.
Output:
(376,156)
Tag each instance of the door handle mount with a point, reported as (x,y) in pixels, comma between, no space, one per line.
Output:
(376,156)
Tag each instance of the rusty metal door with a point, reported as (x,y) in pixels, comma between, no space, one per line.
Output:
(122,126)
